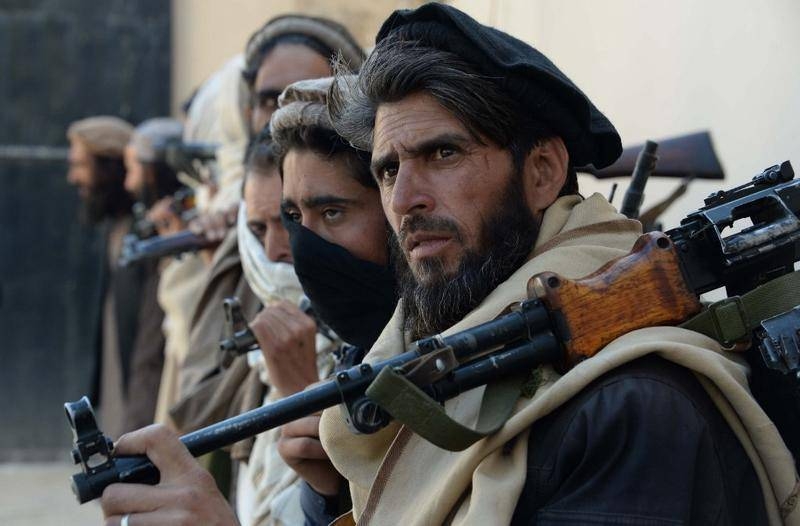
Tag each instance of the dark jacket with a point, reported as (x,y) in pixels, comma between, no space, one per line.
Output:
(641,445)
(138,320)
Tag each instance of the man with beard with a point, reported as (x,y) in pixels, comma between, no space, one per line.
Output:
(149,177)
(474,136)
(463,120)
(97,168)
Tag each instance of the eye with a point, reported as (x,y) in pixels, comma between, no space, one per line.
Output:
(267,101)
(294,215)
(388,172)
(443,152)
(331,214)
(258,230)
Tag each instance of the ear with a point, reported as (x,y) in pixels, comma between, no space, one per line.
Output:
(544,173)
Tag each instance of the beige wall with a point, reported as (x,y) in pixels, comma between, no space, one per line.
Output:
(205,33)
(659,68)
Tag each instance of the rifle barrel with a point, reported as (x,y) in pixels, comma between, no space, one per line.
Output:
(162,246)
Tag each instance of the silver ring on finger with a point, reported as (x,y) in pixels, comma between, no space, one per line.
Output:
(125,519)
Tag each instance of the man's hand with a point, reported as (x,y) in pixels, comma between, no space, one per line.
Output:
(300,448)
(186,494)
(164,217)
(214,227)
(287,337)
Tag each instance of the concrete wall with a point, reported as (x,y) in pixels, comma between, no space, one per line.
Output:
(660,68)
(206,33)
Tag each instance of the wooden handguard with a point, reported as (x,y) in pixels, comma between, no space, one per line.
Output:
(642,289)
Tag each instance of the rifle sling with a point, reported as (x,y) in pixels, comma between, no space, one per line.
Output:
(729,321)
(732,320)
(409,405)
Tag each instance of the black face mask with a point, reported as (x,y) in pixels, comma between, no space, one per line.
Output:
(354,297)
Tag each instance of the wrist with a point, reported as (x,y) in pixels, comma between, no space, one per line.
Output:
(327,487)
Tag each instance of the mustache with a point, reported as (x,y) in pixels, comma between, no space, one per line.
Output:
(415,223)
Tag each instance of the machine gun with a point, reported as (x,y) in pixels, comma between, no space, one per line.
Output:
(562,322)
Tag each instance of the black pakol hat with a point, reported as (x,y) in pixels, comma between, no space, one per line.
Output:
(524,72)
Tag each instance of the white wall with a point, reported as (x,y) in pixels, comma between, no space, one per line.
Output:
(659,68)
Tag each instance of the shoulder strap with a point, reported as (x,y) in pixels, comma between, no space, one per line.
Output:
(409,405)
(732,320)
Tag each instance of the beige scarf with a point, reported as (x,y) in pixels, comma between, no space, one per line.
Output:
(480,485)
(180,285)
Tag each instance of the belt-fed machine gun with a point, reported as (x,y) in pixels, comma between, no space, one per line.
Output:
(562,322)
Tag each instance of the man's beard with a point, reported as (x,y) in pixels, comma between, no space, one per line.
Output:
(507,239)
(106,197)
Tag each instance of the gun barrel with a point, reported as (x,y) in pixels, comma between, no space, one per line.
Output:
(508,332)
(162,246)
(645,164)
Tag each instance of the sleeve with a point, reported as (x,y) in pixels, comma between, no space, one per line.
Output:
(320,510)
(634,451)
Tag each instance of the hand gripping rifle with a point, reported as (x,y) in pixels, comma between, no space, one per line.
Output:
(562,322)
(239,338)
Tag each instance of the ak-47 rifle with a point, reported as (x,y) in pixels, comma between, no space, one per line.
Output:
(239,338)
(135,249)
(688,155)
(563,322)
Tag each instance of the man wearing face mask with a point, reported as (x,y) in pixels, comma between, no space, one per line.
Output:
(285,49)
(340,248)
(292,353)
(339,240)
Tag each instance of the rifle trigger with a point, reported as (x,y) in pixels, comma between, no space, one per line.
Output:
(431,367)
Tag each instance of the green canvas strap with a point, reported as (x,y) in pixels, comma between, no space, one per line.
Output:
(732,320)
(409,405)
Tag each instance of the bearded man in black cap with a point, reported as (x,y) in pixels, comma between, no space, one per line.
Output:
(473,136)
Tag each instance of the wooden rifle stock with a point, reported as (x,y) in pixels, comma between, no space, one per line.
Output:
(642,289)
(690,155)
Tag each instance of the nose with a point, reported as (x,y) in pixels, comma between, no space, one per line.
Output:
(411,192)
(276,244)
